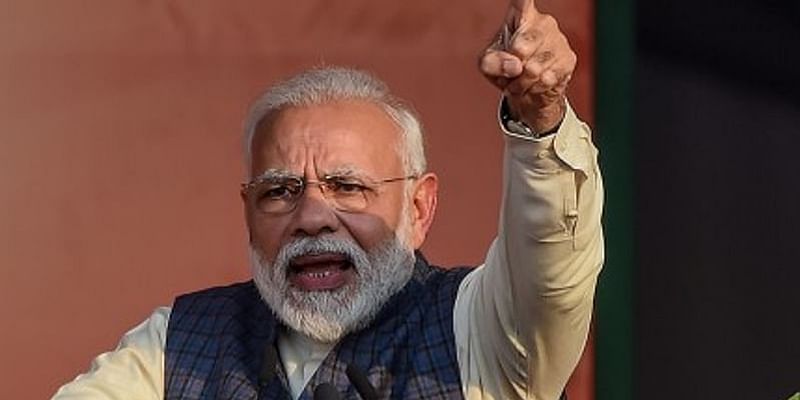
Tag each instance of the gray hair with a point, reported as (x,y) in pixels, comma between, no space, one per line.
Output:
(331,84)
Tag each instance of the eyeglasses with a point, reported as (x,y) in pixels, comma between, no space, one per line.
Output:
(280,195)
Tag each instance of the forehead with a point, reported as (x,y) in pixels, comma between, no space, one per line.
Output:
(355,135)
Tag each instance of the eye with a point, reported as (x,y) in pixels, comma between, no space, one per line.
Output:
(346,187)
(279,191)
(276,192)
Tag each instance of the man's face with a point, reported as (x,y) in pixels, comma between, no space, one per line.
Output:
(315,258)
(355,138)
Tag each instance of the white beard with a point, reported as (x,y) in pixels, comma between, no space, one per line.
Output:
(328,315)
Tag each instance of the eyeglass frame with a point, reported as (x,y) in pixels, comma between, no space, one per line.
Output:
(325,188)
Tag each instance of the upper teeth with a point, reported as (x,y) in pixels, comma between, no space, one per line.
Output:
(322,274)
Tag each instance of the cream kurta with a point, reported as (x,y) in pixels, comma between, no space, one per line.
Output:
(521,319)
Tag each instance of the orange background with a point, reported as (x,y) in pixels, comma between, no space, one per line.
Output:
(120,148)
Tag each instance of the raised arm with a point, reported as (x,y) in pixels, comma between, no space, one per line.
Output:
(523,317)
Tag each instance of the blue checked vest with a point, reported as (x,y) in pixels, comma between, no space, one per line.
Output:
(216,340)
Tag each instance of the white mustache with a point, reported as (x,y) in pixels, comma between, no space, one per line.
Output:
(305,246)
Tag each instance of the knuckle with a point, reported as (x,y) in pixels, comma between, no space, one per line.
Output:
(527,41)
(573,59)
(529,35)
(521,47)
(533,68)
(549,21)
(517,49)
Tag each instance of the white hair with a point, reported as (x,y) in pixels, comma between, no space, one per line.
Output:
(331,84)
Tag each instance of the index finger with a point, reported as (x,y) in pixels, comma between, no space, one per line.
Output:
(524,6)
(519,13)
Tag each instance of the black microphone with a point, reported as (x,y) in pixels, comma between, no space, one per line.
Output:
(326,391)
(359,379)
(268,365)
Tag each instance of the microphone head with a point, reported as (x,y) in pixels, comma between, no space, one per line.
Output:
(326,391)
(359,380)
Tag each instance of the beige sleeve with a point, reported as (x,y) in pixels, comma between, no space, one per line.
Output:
(134,370)
(521,319)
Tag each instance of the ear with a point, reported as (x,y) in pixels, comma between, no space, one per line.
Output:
(423,204)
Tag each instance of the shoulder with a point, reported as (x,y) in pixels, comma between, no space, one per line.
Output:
(434,287)
(219,303)
(438,279)
(233,293)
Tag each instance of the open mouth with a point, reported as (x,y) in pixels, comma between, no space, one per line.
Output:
(324,271)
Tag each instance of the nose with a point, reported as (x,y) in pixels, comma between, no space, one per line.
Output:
(313,214)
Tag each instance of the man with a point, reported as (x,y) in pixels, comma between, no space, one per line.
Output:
(338,201)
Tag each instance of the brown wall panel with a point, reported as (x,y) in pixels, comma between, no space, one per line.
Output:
(120,147)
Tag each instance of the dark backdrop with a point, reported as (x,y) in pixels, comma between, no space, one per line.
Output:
(717,133)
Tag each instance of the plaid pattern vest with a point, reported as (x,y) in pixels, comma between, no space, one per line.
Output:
(216,340)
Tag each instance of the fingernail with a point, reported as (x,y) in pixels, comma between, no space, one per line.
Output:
(509,68)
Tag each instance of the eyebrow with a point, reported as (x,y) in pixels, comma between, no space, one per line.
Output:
(275,173)
(343,171)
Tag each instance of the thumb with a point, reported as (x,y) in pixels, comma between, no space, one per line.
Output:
(499,64)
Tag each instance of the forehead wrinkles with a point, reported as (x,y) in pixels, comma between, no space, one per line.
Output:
(344,139)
